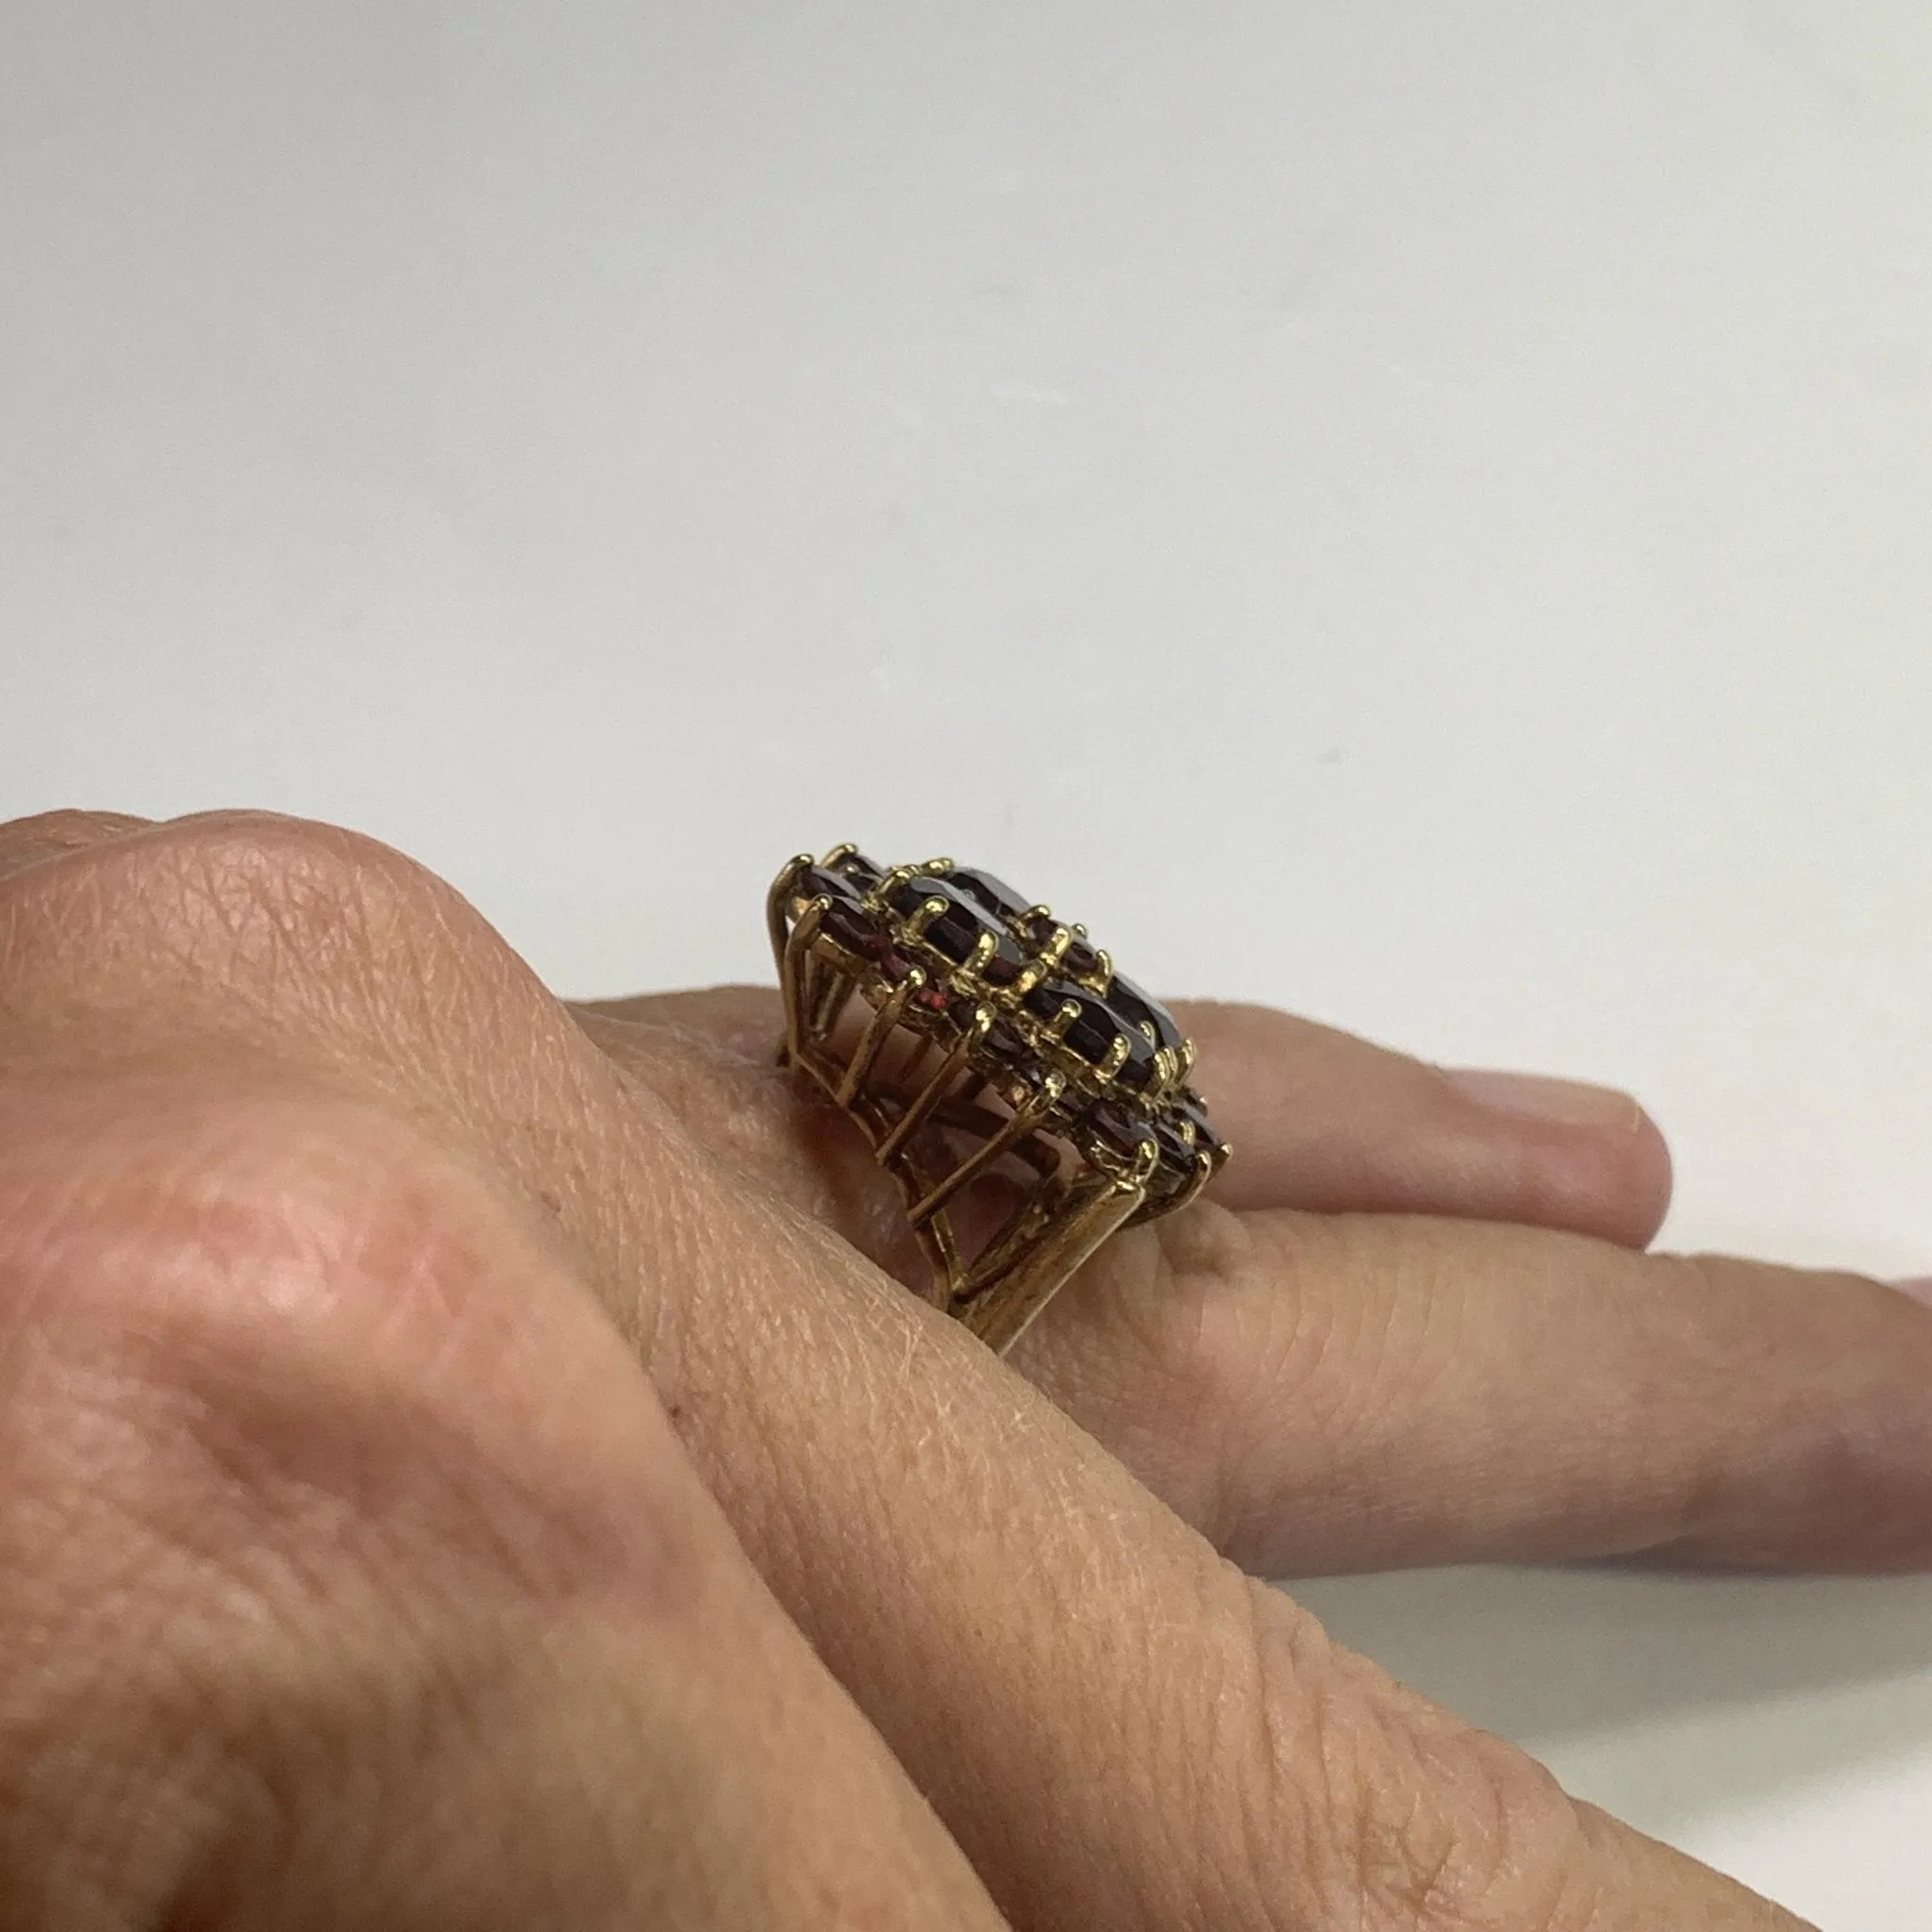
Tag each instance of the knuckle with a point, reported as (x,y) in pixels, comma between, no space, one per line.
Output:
(231,913)
(250,944)
(275,1312)
(287,1457)
(188,1228)
(1410,1817)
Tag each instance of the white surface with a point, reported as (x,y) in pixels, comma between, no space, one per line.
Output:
(1455,476)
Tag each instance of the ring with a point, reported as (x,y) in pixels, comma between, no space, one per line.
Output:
(1029,1099)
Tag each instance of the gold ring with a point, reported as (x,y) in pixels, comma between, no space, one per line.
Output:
(996,1055)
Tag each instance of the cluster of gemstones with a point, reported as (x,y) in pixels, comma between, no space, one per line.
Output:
(1056,998)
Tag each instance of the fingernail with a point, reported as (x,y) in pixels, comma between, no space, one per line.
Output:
(1537,1097)
(1918,1288)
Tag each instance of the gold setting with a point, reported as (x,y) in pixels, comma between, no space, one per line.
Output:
(984,1081)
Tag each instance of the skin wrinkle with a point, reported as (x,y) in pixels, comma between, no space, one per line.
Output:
(1494,1861)
(148,1563)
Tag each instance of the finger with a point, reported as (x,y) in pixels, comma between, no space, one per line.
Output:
(50,834)
(1367,1391)
(1120,1729)
(1320,1119)
(1331,1122)
(351,1574)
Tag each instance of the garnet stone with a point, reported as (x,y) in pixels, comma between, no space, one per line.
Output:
(1120,1131)
(846,919)
(1195,1111)
(994,896)
(1094,1028)
(957,929)
(1140,1010)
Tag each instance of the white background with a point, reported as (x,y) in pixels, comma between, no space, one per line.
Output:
(1415,511)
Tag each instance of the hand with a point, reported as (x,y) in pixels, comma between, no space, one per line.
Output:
(454,1451)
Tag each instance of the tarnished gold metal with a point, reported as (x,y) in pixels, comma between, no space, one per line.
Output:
(946,1112)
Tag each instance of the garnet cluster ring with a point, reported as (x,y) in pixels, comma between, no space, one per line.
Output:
(1029,1099)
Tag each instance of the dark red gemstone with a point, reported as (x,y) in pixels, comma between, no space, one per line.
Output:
(1138,1008)
(1094,1027)
(1003,1043)
(1080,962)
(994,895)
(1194,1109)
(953,932)
(845,918)
(1136,1069)
(1123,1132)
(1174,1152)
(853,931)
(817,879)
(1006,964)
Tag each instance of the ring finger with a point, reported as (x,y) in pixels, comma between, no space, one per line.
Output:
(1321,1119)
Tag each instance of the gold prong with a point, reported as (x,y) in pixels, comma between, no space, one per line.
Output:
(922,1044)
(829,1002)
(1054,949)
(1116,1056)
(937,1088)
(984,947)
(1023,1122)
(836,853)
(942,1260)
(1069,1011)
(792,973)
(1187,1052)
(876,899)
(1166,1072)
(1203,1172)
(922,916)
(936,866)
(1038,915)
(1030,976)
(1000,1314)
(878,1029)
(1102,975)
(779,903)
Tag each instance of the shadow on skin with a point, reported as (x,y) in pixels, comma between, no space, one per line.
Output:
(1664,1698)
